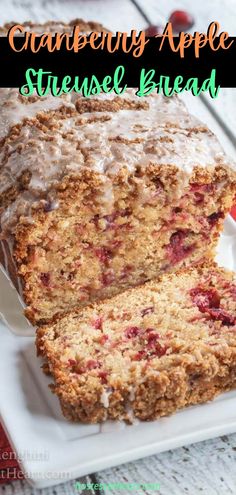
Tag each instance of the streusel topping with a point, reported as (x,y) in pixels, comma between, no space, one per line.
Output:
(57,137)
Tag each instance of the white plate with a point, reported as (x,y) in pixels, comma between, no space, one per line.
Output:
(53,450)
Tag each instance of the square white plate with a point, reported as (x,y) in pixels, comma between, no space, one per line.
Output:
(53,450)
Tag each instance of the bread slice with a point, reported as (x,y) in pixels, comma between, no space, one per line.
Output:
(147,352)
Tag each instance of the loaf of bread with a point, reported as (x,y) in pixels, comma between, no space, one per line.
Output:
(104,193)
(147,352)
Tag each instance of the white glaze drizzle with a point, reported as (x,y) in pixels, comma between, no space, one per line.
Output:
(104,399)
(160,134)
(14,108)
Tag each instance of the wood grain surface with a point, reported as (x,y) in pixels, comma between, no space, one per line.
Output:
(209,467)
(223,11)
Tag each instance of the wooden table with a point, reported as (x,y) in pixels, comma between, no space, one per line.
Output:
(207,467)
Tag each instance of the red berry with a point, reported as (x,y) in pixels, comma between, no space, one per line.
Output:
(107,278)
(159,350)
(92,364)
(110,220)
(208,301)
(181,20)
(233,212)
(202,188)
(176,249)
(153,30)
(45,279)
(126,212)
(81,370)
(222,315)
(214,217)
(97,323)
(103,254)
(103,376)
(151,339)
(103,339)
(199,198)
(72,362)
(205,298)
(139,356)
(131,332)
(115,244)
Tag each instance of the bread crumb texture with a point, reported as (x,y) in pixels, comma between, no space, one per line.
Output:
(147,352)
